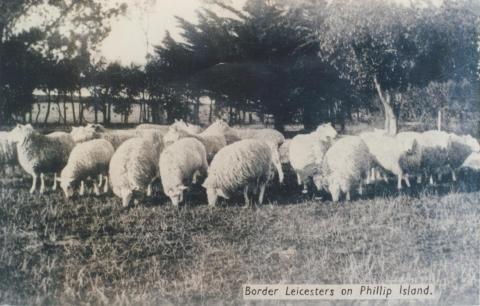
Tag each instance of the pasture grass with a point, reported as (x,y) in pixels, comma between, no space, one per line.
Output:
(90,251)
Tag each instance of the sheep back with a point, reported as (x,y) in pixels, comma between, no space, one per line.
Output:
(241,163)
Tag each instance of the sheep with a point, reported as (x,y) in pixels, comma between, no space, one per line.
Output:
(247,164)
(115,137)
(235,134)
(191,128)
(306,152)
(179,165)
(388,151)
(39,154)
(472,162)
(345,165)
(134,167)
(150,126)
(88,159)
(222,128)
(212,142)
(8,151)
(459,148)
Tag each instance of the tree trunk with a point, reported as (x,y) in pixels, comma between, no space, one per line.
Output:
(439,120)
(210,112)
(80,105)
(38,113)
(49,101)
(390,118)
(73,108)
(197,111)
(65,108)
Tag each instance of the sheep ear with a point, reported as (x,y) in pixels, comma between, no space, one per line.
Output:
(59,179)
(182,187)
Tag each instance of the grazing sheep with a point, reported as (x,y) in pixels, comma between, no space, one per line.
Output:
(150,126)
(8,152)
(306,152)
(345,165)
(212,142)
(222,128)
(134,167)
(39,154)
(459,149)
(179,165)
(235,134)
(115,137)
(191,128)
(388,151)
(472,162)
(87,159)
(244,165)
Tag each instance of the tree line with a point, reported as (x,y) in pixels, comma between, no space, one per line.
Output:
(306,61)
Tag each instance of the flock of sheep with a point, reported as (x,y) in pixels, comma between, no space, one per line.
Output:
(228,160)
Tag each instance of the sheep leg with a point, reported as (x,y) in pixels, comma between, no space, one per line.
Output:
(335,194)
(81,192)
(262,193)
(399,182)
(360,189)
(299,179)
(348,195)
(100,180)
(454,177)
(96,189)
(407,181)
(42,183)
(34,183)
(305,188)
(245,196)
(431,180)
(54,187)
(149,190)
(105,186)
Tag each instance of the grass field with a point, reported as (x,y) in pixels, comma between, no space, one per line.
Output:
(90,251)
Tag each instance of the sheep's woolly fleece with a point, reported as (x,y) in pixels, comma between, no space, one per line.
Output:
(212,142)
(388,150)
(39,153)
(345,165)
(88,159)
(220,127)
(8,150)
(306,151)
(261,134)
(239,164)
(134,165)
(179,161)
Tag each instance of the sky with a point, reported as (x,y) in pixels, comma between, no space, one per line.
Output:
(144,26)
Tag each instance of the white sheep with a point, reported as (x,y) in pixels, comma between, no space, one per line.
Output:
(134,167)
(234,134)
(39,154)
(87,159)
(212,142)
(346,165)
(189,127)
(388,151)
(149,126)
(8,152)
(306,152)
(472,162)
(179,165)
(220,127)
(245,165)
(97,131)
(459,149)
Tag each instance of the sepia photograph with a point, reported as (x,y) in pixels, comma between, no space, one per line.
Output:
(239,152)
